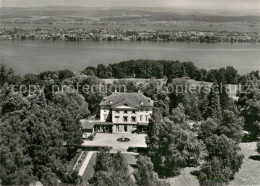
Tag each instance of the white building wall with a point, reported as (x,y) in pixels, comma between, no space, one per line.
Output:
(121,116)
(145,112)
(118,117)
(104,111)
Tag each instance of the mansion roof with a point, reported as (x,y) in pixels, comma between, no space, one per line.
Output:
(135,99)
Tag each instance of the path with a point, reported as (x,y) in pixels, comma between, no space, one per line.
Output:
(85,163)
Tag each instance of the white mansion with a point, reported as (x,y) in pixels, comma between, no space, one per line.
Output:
(122,112)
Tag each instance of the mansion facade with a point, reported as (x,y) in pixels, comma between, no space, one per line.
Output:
(123,112)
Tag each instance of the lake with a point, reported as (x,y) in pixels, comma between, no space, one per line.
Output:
(37,56)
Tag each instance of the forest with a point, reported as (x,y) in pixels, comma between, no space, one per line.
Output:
(161,69)
(40,133)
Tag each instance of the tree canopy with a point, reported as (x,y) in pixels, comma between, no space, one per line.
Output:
(162,68)
(111,169)
(39,134)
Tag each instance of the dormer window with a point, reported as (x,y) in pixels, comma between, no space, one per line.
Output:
(125,104)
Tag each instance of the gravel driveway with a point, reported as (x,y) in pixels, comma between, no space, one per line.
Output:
(104,139)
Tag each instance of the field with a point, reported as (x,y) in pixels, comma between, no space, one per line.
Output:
(126,19)
(232,89)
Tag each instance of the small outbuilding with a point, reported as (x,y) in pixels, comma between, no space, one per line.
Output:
(87,128)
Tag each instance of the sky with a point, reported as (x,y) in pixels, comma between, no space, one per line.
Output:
(242,6)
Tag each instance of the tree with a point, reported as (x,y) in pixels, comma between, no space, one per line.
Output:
(69,109)
(191,70)
(101,71)
(171,146)
(203,102)
(178,115)
(13,102)
(64,74)
(222,162)
(214,102)
(94,95)
(111,169)
(144,173)
(15,165)
(249,104)
(207,128)
(7,75)
(223,95)
(43,141)
(90,71)
(258,147)
(231,75)
(231,126)
(181,93)
(30,79)
(33,133)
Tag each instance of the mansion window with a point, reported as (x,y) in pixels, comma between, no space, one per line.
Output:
(125,111)
(141,118)
(117,112)
(125,118)
(117,119)
(133,111)
(105,116)
(133,119)
(146,118)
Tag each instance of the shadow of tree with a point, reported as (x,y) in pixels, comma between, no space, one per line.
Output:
(255,157)
(195,173)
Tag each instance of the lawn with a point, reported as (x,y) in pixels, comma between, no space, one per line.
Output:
(89,171)
(249,173)
(185,178)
